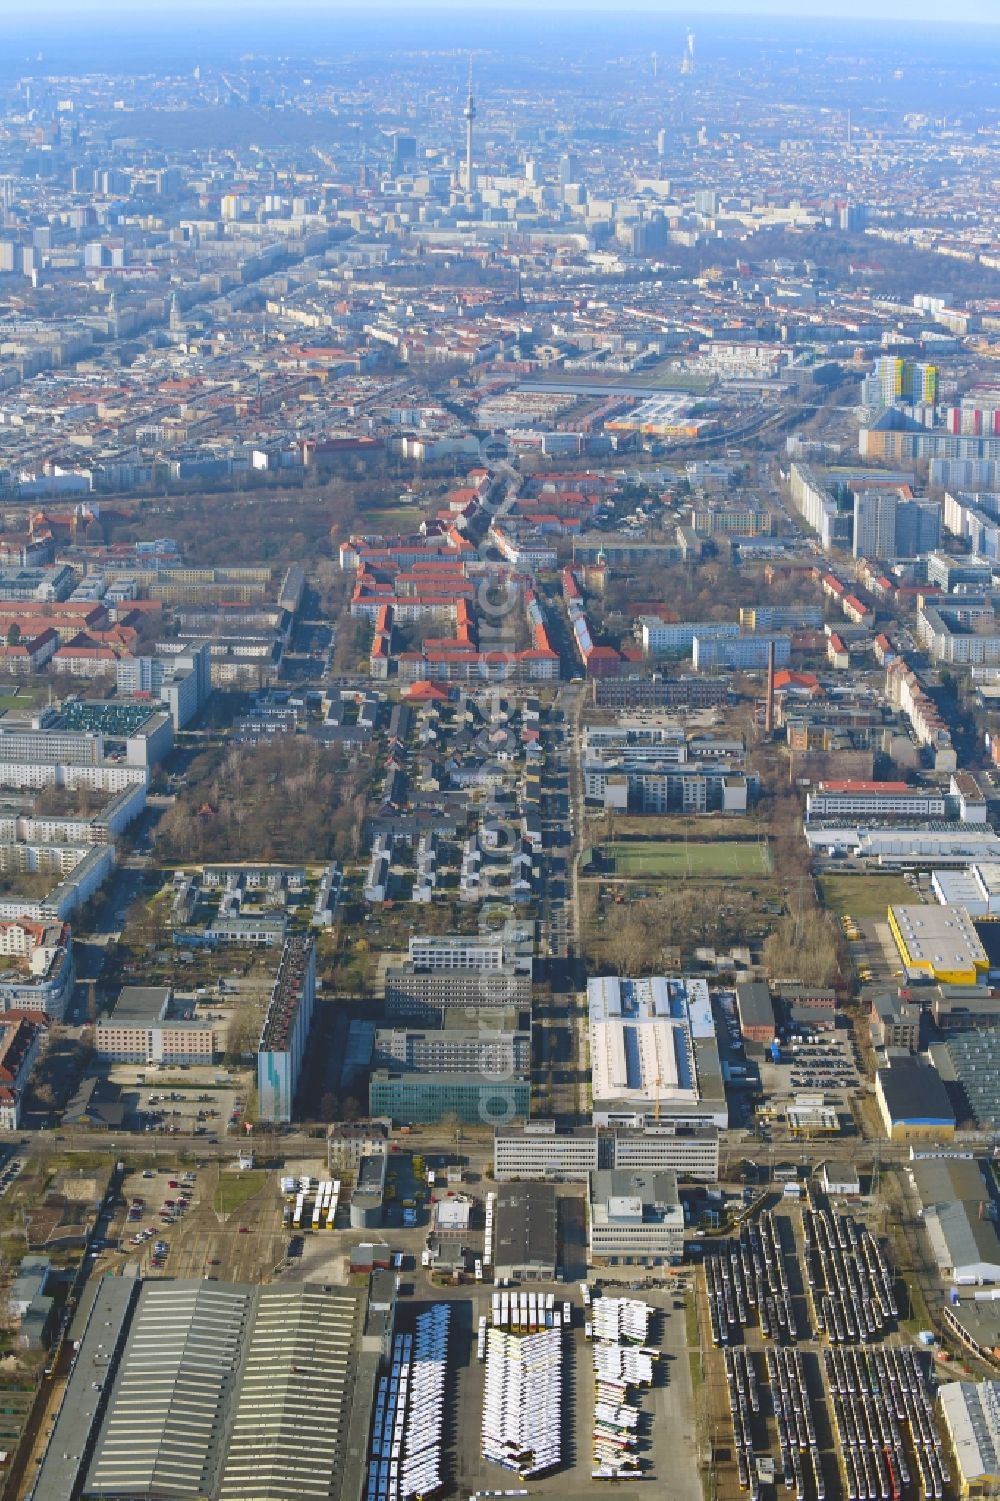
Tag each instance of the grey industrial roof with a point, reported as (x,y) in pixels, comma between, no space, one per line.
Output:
(223,1389)
(974,1059)
(961,1241)
(972,1414)
(756,1007)
(291,1415)
(164,1433)
(952,1191)
(940,1179)
(978,1320)
(69,1447)
(710,1082)
(526,1226)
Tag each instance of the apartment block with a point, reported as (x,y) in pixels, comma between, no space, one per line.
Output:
(283,1040)
(660,637)
(745,653)
(21,1039)
(147,1027)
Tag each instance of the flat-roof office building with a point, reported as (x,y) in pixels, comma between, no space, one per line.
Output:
(425,1099)
(537,1151)
(635,1218)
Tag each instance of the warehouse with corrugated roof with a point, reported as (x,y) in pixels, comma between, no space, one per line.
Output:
(214,1391)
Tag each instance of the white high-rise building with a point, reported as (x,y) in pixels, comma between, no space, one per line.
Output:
(875,523)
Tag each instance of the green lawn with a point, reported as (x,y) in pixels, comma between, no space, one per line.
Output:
(692,1338)
(236,1188)
(656,378)
(676,859)
(863,896)
(393,518)
(24,698)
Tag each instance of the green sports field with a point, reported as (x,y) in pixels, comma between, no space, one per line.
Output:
(675,859)
(20,696)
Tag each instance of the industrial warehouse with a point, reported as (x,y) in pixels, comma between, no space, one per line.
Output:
(218,1390)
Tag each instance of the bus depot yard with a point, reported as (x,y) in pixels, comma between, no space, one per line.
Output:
(808,1386)
(197,1222)
(776,1359)
(541,1413)
(778,1354)
(616,1367)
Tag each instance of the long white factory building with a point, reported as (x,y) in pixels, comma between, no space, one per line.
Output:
(653,1052)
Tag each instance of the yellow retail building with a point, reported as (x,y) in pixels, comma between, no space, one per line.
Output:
(939,943)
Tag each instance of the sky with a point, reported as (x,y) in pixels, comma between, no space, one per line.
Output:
(689,11)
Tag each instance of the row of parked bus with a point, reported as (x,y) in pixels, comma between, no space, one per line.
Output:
(850,1288)
(750,1274)
(623,1366)
(312,1204)
(527,1310)
(522,1426)
(405,1461)
(877,1397)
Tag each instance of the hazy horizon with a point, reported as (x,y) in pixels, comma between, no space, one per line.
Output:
(923,12)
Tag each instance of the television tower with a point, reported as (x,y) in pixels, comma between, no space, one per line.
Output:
(470,115)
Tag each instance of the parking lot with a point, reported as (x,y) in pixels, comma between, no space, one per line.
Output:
(182,1102)
(827,1065)
(198,1112)
(667,1428)
(171,1224)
